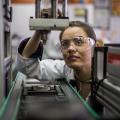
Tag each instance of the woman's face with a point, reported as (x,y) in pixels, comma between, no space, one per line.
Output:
(77,54)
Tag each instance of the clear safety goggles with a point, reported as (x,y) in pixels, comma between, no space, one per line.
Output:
(78,41)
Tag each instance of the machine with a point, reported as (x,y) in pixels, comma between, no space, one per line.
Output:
(28,99)
(105,81)
(49,17)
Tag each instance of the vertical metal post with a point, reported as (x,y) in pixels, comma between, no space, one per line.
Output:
(54,4)
(64,8)
(37,8)
(1,55)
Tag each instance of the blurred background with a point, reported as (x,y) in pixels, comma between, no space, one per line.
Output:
(103,15)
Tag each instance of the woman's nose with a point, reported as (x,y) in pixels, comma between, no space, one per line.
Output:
(72,47)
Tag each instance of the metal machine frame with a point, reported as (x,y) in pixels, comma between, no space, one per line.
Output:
(5,49)
(105,92)
(52,23)
(1,56)
(43,22)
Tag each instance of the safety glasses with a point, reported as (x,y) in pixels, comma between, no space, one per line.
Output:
(78,41)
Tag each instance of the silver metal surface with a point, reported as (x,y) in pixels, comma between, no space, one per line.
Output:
(54,8)
(5,49)
(48,24)
(64,8)
(109,95)
(1,55)
(37,8)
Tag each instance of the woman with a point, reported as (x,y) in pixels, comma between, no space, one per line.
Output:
(77,44)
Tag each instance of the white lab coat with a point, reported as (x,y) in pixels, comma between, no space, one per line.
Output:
(44,69)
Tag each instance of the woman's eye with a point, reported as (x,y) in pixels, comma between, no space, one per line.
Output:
(78,41)
(65,44)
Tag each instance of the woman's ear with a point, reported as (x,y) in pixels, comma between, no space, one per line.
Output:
(99,43)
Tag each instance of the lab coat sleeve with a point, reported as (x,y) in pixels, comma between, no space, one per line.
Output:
(45,69)
(28,66)
(34,68)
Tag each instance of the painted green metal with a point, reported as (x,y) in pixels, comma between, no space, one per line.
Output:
(5,105)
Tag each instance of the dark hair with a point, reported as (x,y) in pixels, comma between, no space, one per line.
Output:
(86,27)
